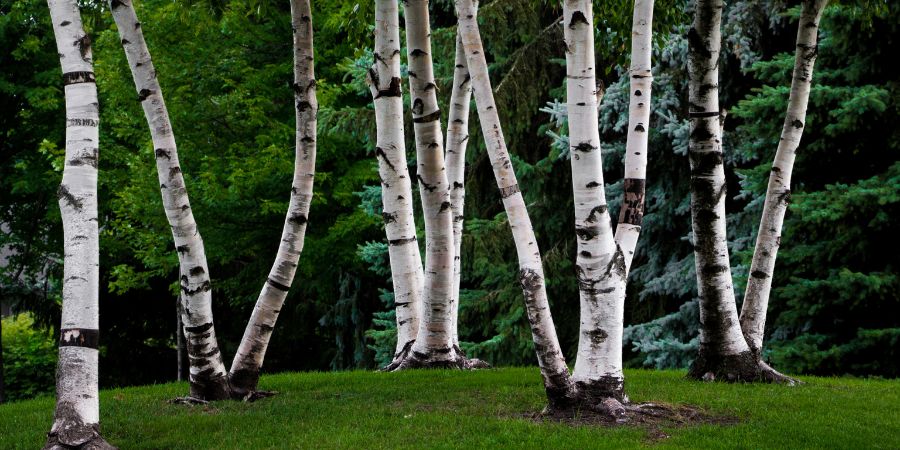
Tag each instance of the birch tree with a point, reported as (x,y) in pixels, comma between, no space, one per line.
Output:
(243,376)
(76,421)
(731,350)
(433,346)
(208,378)
(778,193)
(399,223)
(457,138)
(554,372)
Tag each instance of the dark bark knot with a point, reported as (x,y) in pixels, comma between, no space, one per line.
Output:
(379,153)
(426,186)
(577,17)
(143,94)
(73,201)
(584,147)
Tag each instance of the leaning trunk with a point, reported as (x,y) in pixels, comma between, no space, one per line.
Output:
(76,422)
(723,352)
(555,373)
(434,341)
(244,374)
(778,194)
(396,187)
(207,372)
(457,138)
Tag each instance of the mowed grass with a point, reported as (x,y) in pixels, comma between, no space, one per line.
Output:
(483,409)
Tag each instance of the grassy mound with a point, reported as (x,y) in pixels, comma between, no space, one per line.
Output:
(492,408)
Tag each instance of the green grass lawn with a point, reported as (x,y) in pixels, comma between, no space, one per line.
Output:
(484,409)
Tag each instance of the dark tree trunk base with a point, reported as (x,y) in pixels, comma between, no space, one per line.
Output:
(747,367)
(243,385)
(94,442)
(408,359)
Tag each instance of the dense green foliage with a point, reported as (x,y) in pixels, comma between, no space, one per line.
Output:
(29,358)
(485,409)
(225,69)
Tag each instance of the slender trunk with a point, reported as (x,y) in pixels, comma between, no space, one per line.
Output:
(778,194)
(244,374)
(434,341)
(76,421)
(555,373)
(207,372)
(631,215)
(723,352)
(457,138)
(179,341)
(399,222)
(600,264)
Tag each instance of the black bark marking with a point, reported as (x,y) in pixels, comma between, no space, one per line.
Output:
(428,118)
(639,128)
(587,233)
(632,211)
(597,336)
(457,185)
(398,242)
(277,285)
(183,249)
(759,274)
(143,94)
(584,147)
(65,23)
(113,4)
(389,217)
(297,219)
(417,107)
(64,194)
(706,162)
(205,286)
(444,206)
(509,191)
(164,153)
(697,44)
(592,184)
(82,122)
(199,328)
(425,185)
(577,17)
(797,124)
(303,106)
(597,213)
(84,46)
(89,159)
(197,270)
(393,89)
(637,93)
(417,53)
(78,77)
(703,114)
(79,337)
(465,80)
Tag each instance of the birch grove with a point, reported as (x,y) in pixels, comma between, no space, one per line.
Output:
(208,377)
(76,422)
(730,350)
(397,200)
(243,376)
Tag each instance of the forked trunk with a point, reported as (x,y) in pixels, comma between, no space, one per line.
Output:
(557,382)
(433,346)
(600,264)
(396,187)
(457,138)
(208,377)
(723,352)
(76,421)
(778,194)
(243,376)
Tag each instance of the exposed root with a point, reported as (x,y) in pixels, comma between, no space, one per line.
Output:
(253,396)
(188,400)
(453,358)
(745,367)
(89,440)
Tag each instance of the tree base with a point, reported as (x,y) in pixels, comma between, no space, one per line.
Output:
(87,438)
(657,418)
(409,359)
(746,367)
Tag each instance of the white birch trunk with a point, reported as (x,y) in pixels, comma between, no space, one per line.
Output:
(600,264)
(554,371)
(399,223)
(77,417)
(248,360)
(457,138)
(207,372)
(631,215)
(723,350)
(434,341)
(759,284)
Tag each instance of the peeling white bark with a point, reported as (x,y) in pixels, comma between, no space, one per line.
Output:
(457,138)
(554,371)
(759,284)
(77,417)
(207,372)
(600,264)
(720,333)
(434,341)
(628,229)
(244,373)
(399,223)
